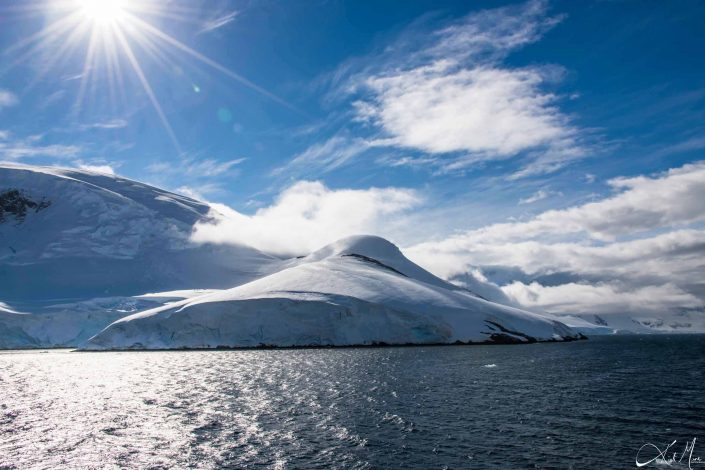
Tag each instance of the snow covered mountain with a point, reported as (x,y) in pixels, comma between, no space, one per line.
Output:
(76,247)
(357,291)
(79,250)
(80,234)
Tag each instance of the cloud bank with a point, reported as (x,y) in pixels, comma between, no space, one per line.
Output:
(640,250)
(307,216)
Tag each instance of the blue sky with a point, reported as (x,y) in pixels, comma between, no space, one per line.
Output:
(620,72)
(467,114)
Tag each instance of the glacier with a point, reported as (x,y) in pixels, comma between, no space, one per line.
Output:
(358,291)
(104,236)
(97,261)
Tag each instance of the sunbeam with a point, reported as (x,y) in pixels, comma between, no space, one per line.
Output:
(145,84)
(109,29)
(197,55)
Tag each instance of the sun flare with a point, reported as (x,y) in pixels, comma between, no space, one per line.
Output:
(115,37)
(103,12)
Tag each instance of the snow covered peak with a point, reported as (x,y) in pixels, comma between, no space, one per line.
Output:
(59,183)
(357,291)
(365,245)
(88,213)
(71,233)
(377,250)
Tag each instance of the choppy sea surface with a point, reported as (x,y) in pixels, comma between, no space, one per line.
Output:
(588,404)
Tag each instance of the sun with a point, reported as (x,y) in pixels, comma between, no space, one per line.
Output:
(103,12)
(114,36)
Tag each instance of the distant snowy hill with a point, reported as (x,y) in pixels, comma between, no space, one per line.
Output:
(358,291)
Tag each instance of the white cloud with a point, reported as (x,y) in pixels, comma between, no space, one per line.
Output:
(52,99)
(491,34)
(324,156)
(661,256)
(488,112)
(601,298)
(14,148)
(539,195)
(407,161)
(210,167)
(110,124)
(188,191)
(218,22)
(105,168)
(201,191)
(7,99)
(307,216)
(455,98)
(18,150)
(688,145)
(194,168)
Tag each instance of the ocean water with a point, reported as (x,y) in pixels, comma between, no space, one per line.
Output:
(589,404)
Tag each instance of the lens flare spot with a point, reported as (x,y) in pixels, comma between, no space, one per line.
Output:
(224,115)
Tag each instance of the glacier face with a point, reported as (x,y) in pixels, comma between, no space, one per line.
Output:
(78,249)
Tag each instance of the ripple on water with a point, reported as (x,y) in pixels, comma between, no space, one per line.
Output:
(586,405)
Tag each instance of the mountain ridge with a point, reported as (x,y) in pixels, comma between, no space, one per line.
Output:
(80,267)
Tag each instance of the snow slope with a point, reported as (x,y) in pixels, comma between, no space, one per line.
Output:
(77,248)
(357,291)
(80,234)
(51,324)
